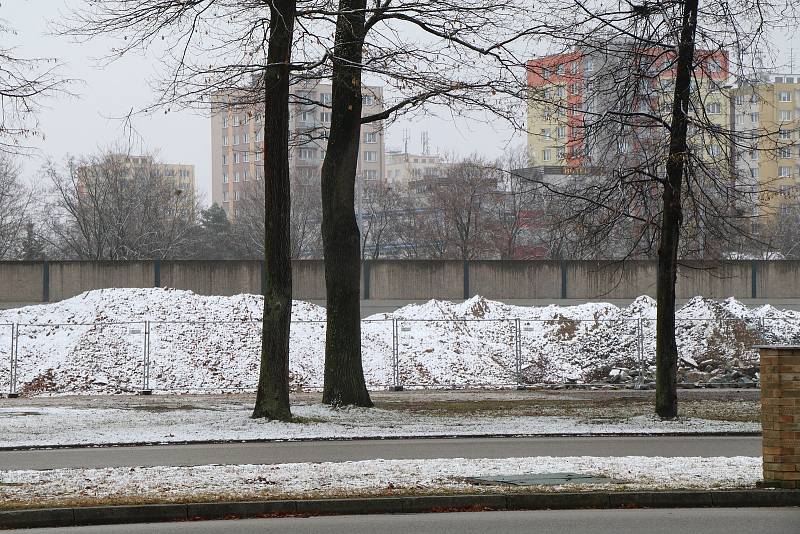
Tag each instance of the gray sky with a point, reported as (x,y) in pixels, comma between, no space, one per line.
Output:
(79,125)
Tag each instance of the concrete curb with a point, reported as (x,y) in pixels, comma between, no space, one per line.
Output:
(145,513)
(731,434)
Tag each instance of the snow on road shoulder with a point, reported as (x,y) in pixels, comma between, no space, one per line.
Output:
(51,487)
(46,426)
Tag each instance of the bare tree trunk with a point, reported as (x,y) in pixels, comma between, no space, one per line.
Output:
(344,374)
(272,397)
(666,347)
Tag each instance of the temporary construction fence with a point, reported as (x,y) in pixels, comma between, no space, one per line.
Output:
(145,356)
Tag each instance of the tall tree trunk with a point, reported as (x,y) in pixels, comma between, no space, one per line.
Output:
(666,347)
(272,397)
(344,374)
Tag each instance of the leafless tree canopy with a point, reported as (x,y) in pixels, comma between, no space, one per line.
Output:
(112,206)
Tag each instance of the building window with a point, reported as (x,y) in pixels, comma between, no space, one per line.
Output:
(560,91)
(371,175)
(236,157)
(236,176)
(259,136)
(325,116)
(224,177)
(237,195)
(754,98)
(562,132)
(246,157)
(306,116)
(754,172)
(713,108)
(784,96)
(235,139)
(546,133)
(224,196)
(224,159)
(368,100)
(754,117)
(739,100)
(589,65)
(236,121)
(754,153)
(371,137)
(370,155)
(306,153)
(784,115)
(258,156)
(546,154)
(785,152)
(224,122)
(785,134)
(325,98)
(714,150)
(246,174)
(225,140)
(560,153)
(784,172)
(559,69)
(245,138)
(714,66)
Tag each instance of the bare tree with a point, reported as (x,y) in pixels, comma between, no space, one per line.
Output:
(24,84)
(112,206)
(644,88)
(223,55)
(306,241)
(15,203)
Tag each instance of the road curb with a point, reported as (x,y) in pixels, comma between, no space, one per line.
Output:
(731,434)
(145,513)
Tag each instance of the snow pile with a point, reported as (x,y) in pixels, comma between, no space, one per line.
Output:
(96,342)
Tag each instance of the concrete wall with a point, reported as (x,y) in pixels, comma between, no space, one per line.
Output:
(414,280)
(70,278)
(212,277)
(32,282)
(21,282)
(515,279)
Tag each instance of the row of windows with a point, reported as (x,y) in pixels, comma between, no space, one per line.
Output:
(241,120)
(242,139)
(240,157)
(575,151)
(783,153)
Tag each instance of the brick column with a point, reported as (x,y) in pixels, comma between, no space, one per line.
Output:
(780,415)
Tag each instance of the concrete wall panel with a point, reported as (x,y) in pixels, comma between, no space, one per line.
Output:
(419,279)
(515,279)
(21,281)
(212,277)
(70,278)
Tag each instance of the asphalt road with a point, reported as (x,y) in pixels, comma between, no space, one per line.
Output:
(336,451)
(705,520)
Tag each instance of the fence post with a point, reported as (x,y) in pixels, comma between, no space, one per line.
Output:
(12,377)
(396,386)
(640,350)
(518,352)
(146,361)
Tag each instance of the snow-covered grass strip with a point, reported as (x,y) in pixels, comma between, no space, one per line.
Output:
(47,425)
(373,477)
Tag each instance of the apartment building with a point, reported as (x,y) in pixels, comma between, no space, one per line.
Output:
(237,142)
(767,116)
(585,109)
(182,176)
(405,170)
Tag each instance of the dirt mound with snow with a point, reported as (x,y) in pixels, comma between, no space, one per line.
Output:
(96,342)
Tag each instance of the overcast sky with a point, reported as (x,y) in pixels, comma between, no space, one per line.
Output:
(79,125)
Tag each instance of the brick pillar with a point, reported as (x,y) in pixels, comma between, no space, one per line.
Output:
(780,415)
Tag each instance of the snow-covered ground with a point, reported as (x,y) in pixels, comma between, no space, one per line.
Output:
(46,426)
(372,477)
(95,342)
